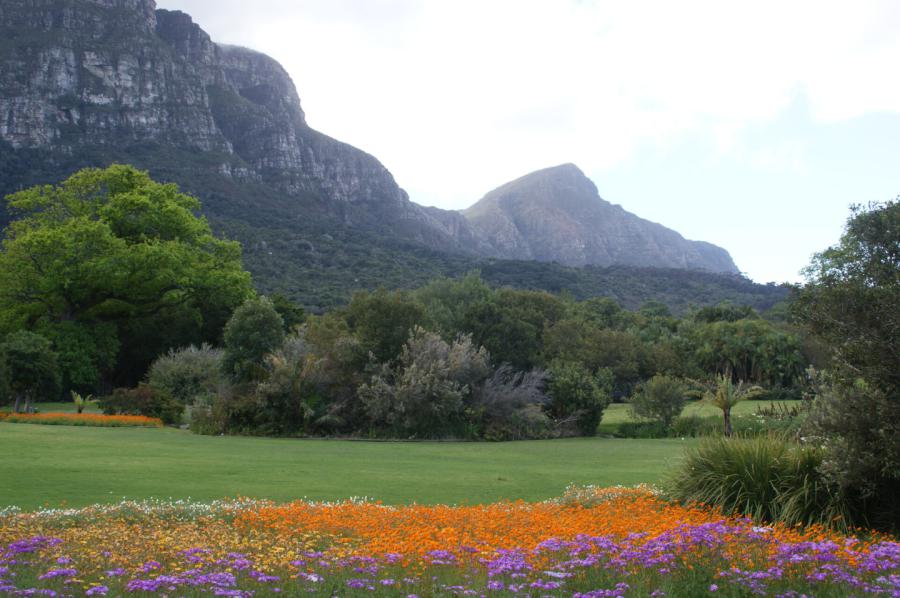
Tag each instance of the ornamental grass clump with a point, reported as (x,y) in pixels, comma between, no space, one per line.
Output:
(768,478)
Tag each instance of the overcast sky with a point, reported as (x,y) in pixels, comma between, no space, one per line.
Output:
(752,125)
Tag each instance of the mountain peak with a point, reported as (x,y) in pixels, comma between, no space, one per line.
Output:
(557,215)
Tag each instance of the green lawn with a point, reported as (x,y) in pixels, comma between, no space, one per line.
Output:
(52,465)
(618,413)
(65,407)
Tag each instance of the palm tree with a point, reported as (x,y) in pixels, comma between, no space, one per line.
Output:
(725,394)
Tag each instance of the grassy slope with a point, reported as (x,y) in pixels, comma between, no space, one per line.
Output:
(51,465)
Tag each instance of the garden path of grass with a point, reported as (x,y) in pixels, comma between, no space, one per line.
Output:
(76,466)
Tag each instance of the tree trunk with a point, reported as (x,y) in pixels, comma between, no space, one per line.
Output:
(18,400)
(726,415)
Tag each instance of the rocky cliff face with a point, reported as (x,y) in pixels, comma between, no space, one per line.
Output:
(78,74)
(557,215)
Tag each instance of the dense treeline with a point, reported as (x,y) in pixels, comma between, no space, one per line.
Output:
(458,358)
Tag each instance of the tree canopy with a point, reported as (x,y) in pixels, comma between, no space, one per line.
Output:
(115,268)
(853,295)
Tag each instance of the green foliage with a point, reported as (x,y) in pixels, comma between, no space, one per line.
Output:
(287,399)
(426,395)
(187,373)
(850,301)
(446,301)
(765,477)
(622,352)
(30,369)
(383,320)
(750,349)
(254,330)
(80,401)
(724,394)
(724,312)
(852,294)
(510,324)
(660,399)
(576,393)
(143,400)
(860,427)
(110,259)
(695,426)
(291,314)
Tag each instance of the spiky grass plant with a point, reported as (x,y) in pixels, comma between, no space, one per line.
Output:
(769,478)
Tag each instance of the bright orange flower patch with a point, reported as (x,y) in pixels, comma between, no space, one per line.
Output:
(417,529)
(84,419)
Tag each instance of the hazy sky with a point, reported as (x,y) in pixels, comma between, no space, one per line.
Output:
(752,125)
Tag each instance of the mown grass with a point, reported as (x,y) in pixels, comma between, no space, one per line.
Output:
(618,413)
(52,465)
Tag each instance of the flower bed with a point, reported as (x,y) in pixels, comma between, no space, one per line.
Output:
(83,419)
(590,543)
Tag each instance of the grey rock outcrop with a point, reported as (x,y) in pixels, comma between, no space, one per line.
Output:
(557,215)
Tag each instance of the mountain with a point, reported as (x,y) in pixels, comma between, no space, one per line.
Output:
(557,215)
(88,81)
(91,82)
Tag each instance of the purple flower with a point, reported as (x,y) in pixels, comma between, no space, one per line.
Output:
(59,573)
(118,572)
(97,591)
(150,566)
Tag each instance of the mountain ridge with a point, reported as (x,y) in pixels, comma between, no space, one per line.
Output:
(84,83)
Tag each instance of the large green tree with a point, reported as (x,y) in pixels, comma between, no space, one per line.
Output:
(852,299)
(115,269)
(852,302)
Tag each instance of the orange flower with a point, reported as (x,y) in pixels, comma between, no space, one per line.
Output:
(83,419)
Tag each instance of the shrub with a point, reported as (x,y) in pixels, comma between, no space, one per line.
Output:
(254,330)
(143,400)
(425,395)
(576,394)
(860,426)
(187,373)
(287,398)
(510,405)
(229,412)
(766,477)
(660,399)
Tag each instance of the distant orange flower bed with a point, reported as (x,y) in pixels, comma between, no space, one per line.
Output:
(84,419)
